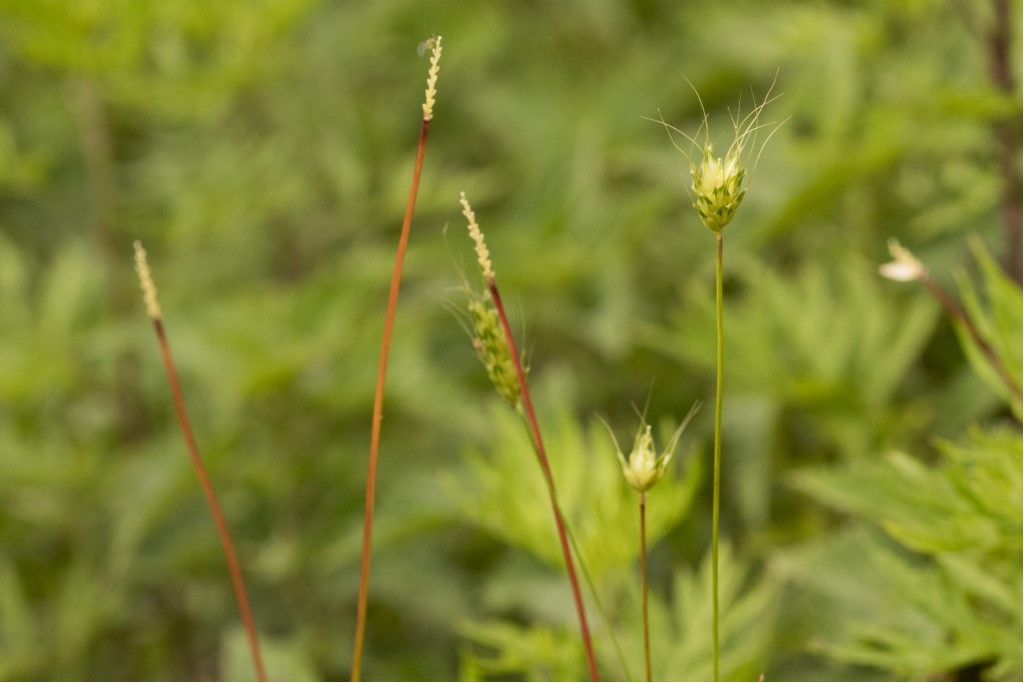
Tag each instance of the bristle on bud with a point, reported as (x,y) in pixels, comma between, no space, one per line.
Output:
(435,56)
(483,256)
(146,280)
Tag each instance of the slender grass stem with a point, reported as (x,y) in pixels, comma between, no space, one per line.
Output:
(717,484)
(378,406)
(643,584)
(211,498)
(549,479)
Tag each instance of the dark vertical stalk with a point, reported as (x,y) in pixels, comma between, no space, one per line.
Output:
(98,152)
(1008,135)
(378,405)
(549,478)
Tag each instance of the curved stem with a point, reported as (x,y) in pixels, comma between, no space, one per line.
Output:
(378,407)
(211,499)
(549,478)
(643,584)
(717,484)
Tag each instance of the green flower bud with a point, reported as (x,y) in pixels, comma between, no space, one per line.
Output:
(645,467)
(717,183)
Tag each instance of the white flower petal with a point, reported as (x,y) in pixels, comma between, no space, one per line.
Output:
(901,271)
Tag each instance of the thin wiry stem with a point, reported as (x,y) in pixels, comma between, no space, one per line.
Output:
(545,465)
(643,584)
(953,309)
(211,498)
(717,483)
(378,406)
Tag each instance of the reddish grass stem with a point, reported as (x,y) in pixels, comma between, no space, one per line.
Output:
(211,498)
(643,583)
(953,309)
(378,406)
(545,465)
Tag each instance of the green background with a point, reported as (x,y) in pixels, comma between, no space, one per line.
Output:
(261,150)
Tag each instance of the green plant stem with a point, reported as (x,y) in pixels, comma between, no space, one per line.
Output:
(643,584)
(378,406)
(206,485)
(717,484)
(545,465)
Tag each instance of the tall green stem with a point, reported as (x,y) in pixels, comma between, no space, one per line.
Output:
(643,584)
(717,485)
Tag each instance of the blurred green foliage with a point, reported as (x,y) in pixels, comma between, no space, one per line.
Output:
(262,151)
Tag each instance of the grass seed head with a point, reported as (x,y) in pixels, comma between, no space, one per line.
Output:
(488,337)
(717,182)
(492,348)
(718,186)
(146,280)
(483,255)
(434,45)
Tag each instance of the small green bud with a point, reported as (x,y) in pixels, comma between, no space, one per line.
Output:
(492,348)
(718,187)
(717,182)
(645,467)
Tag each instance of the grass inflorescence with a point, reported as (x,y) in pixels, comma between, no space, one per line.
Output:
(205,483)
(523,404)
(430,96)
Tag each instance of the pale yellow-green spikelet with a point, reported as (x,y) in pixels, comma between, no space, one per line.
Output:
(488,337)
(717,187)
(431,95)
(644,467)
(483,256)
(146,280)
